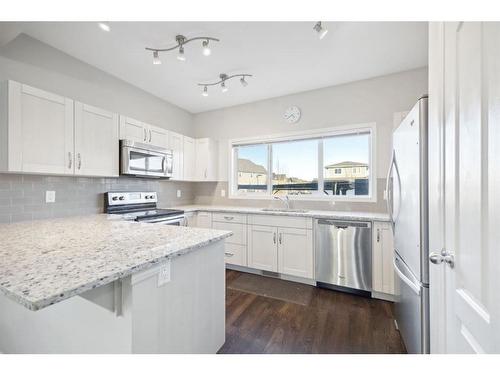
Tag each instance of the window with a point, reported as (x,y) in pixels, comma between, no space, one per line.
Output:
(330,164)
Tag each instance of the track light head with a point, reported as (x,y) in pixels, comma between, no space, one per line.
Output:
(243,82)
(180,55)
(205,91)
(320,29)
(206,49)
(223,86)
(156,58)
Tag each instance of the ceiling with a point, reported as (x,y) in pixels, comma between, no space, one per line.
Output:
(284,57)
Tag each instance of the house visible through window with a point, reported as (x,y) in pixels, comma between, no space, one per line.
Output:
(316,165)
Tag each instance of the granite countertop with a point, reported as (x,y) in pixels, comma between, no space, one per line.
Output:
(319,214)
(47,261)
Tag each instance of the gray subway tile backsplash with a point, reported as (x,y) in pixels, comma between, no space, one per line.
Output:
(22,197)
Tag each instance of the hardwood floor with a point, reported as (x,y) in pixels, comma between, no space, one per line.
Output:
(266,315)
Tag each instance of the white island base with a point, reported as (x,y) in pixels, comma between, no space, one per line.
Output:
(132,315)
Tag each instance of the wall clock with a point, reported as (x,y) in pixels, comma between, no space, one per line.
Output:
(292,114)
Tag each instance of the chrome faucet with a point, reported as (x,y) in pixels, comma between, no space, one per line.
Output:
(285,200)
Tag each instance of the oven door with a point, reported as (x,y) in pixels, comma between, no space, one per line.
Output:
(174,220)
(143,160)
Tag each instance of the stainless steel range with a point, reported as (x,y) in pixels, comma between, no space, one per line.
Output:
(141,206)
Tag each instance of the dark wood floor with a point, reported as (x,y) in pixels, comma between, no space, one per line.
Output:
(267,315)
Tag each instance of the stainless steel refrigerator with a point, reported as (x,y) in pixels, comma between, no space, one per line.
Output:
(407,189)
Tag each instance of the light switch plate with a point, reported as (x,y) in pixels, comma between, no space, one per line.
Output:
(223,193)
(50,196)
(179,193)
(164,274)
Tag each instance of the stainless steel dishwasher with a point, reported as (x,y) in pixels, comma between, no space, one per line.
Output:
(344,255)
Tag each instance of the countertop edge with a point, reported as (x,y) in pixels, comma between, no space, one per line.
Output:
(46,302)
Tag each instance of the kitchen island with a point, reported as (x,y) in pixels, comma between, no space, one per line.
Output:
(97,284)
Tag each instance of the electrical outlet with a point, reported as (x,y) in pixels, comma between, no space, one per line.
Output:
(50,196)
(222,193)
(179,193)
(164,274)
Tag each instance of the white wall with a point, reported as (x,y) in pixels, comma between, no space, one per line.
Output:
(30,61)
(371,100)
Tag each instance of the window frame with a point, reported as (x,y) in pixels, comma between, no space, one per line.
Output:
(304,135)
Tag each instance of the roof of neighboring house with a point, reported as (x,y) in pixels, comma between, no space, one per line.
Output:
(345,164)
(248,166)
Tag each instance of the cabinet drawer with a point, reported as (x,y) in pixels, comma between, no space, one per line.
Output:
(236,254)
(281,221)
(239,232)
(229,217)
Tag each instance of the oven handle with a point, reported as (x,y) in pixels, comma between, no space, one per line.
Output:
(176,219)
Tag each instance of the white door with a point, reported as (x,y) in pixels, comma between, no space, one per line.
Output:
(96,141)
(189,158)
(133,130)
(204,220)
(465,185)
(295,252)
(157,136)
(176,145)
(40,131)
(263,248)
(202,159)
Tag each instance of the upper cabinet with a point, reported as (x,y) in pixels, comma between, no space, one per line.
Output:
(139,131)
(207,156)
(176,144)
(189,165)
(36,131)
(96,141)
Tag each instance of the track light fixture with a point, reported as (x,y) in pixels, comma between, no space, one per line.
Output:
(222,82)
(181,41)
(320,29)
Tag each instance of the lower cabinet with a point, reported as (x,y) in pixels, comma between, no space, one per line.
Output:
(204,220)
(383,253)
(236,245)
(262,248)
(285,250)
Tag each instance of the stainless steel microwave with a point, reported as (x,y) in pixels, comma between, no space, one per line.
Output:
(140,159)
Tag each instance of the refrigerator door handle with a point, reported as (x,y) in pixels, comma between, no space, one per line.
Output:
(413,285)
(388,189)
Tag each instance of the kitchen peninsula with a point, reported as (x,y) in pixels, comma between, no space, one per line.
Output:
(97,284)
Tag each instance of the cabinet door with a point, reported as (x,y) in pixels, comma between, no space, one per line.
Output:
(204,220)
(40,135)
(383,253)
(235,254)
(295,252)
(133,130)
(189,158)
(202,159)
(96,141)
(157,136)
(262,248)
(177,147)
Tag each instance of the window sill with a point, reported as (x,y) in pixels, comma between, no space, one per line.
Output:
(311,199)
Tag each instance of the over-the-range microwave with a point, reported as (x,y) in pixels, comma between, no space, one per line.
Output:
(144,160)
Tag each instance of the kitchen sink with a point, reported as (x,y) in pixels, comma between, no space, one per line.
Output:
(284,210)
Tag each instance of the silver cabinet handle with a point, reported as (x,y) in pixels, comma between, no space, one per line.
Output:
(229,254)
(79,161)
(150,136)
(442,256)
(205,173)
(229,217)
(378,234)
(274,237)
(70,160)
(145,135)
(280,238)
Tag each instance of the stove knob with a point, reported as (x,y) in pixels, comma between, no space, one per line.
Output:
(115,198)
(122,198)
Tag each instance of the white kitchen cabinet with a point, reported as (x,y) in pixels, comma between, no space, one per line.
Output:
(176,144)
(36,130)
(204,220)
(262,248)
(295,252)
(383,253)
(96,141)
(189,150)
(207,158)
(236,245)
(142,132)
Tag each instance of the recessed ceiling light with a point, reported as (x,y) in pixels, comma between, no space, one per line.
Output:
(104,26)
